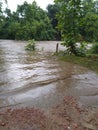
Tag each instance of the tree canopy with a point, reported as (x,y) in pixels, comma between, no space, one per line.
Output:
(68,20)
(77,21)
(28,22)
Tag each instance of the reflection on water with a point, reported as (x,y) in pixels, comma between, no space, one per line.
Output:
(38,78)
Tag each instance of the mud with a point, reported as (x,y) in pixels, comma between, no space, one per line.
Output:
(68,115)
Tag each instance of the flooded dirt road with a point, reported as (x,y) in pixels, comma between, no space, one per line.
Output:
(40,79)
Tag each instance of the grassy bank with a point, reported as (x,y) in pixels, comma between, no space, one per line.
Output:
(90,61)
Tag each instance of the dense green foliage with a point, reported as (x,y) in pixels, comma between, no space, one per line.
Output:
(94,49)
(73,20)
(89,21)
(68,22)
(28,22)
(78,22)
(52,12)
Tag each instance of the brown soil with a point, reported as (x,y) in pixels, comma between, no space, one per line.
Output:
(68,115)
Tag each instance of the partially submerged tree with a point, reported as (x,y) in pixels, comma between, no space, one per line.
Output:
(31,45)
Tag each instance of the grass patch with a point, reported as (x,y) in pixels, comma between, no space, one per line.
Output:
(90,61)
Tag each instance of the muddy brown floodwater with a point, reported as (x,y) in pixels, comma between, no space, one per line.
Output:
(40,79)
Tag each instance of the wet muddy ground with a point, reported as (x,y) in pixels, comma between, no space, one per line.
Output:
(38,79)
(68,115)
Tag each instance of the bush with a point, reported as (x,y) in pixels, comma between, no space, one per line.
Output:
(31,45)
(81,49)
(94,49)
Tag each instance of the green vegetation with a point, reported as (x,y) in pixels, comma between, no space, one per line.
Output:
(91,61)
(52,12)
(31,45)
(72,21)
(77,21)
(28,22)
(68,23)
(94,49)
(68,20)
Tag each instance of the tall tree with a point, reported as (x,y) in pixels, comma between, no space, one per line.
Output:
(52,12)
(68,23)
(2,17)
(89,29)
(1,4)
(89,21)
(28,22)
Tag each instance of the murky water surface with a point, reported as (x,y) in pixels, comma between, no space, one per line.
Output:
(40,79)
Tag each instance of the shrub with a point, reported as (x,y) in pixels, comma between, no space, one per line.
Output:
(94,49)
(31,45)
(80,49)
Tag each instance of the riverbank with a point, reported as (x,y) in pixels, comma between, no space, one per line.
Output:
(90,61)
